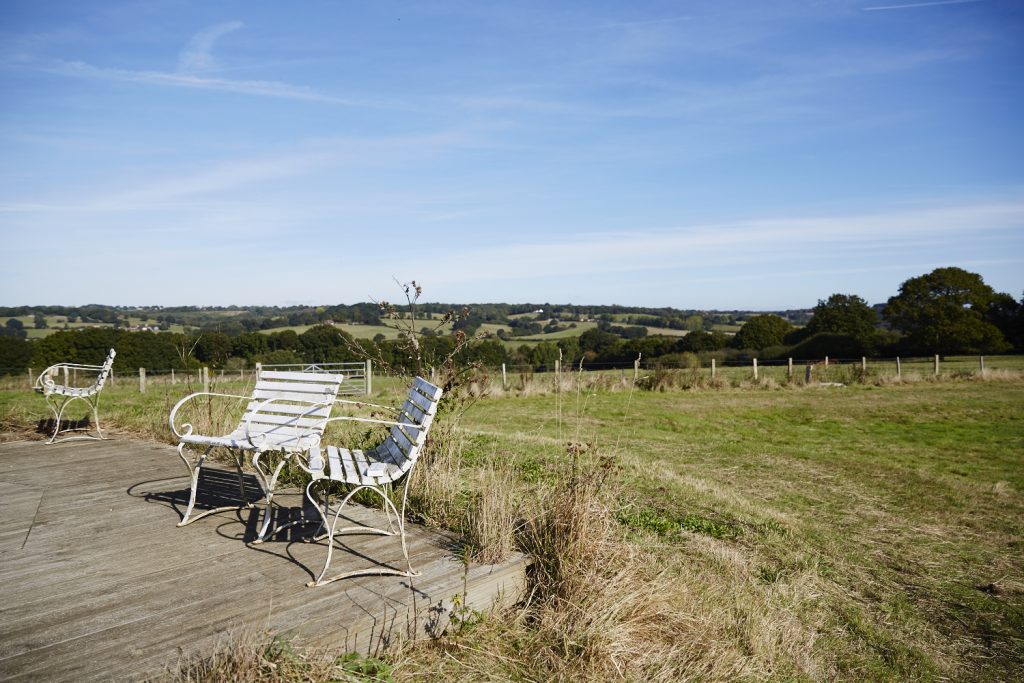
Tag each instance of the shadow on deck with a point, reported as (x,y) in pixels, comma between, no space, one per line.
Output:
(100,583)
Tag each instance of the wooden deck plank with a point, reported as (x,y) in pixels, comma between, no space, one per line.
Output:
(100,583)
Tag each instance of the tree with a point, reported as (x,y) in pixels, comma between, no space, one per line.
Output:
(15,355)
(326,344)
(213,348)
(762,331)
(40,321)
(945,312)
(698,342)
(847,321)
(1008,316)
(844,314)
(13,328)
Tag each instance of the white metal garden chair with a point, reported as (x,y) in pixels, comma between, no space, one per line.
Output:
(286,413)
(376,470)
(58,395)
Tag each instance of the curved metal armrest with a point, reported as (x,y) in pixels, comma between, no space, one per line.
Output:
(187,426)
(313,405)
(44,377)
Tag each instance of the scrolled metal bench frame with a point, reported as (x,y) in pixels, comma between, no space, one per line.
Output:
(58,396)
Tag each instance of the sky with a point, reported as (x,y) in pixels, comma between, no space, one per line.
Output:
(695,154)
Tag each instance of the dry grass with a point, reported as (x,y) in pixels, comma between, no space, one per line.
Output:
(492,517)
(249,658)
(605,607)
(437,491)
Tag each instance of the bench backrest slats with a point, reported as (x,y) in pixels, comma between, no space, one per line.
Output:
(405,441)
(291,419)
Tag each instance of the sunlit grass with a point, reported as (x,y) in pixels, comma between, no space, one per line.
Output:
(872,531)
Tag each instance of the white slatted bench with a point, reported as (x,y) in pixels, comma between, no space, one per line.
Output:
(58,396)
(374,469)
(286,413)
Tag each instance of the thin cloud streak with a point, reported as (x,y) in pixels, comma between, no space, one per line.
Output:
(196,56)
(274,89)
(915,5)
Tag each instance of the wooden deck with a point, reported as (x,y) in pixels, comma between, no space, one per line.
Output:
(99,584)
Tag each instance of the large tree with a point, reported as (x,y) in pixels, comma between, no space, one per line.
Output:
(946,311)
(848,321)
(846,314)
(762,331)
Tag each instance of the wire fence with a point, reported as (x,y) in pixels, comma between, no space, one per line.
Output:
(359,375)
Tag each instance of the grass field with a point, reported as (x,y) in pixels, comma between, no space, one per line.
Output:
(55,323)
(872,531)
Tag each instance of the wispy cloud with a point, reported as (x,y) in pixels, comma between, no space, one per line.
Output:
(274,89)
(914,5)
(618,25)
(195,59)
(730,244)
(196,56)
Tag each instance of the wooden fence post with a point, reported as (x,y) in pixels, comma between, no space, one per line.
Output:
(259,368)
(789,369)
(755,369)
(981,364)
(899,370)
(864,364)
(142,380)
(204,374)
(558,367)
(504,378)
(173,381)
(807,374)
(826,361)
(30,373)
(636,368)
(369,377)
(713,369)
(936,365)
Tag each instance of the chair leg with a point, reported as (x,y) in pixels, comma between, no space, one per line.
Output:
(95,401)
(268,485)
(194,470)
(332,531)
(58,414)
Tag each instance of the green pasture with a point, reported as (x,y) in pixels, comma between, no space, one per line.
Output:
(885,524)
(872,531)
(365,331)
(55,323)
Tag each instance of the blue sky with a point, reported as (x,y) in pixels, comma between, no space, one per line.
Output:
(719,154)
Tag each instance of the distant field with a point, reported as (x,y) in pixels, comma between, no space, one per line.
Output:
(56,323)
(364,331)
(666,332)
(571,332)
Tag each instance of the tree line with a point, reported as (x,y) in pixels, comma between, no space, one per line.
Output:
(947,311)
